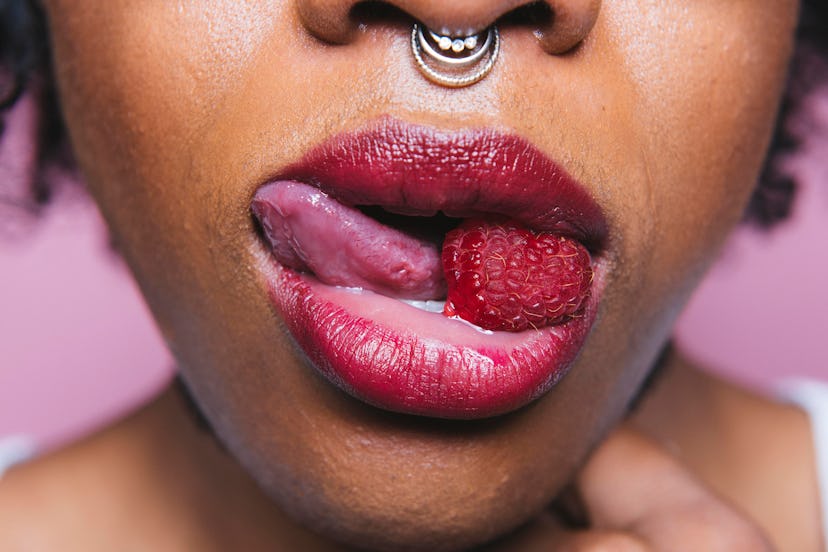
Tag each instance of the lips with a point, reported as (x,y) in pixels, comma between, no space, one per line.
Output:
(392,353)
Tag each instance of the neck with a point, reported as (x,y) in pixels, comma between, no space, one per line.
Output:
(203,482)
(748,449)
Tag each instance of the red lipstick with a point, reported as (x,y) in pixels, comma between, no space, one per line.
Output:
(367,339)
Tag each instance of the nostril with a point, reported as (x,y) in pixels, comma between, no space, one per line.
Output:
(372,12)
(570,23)
(325,20)
(336,21)
(445,17)
(535,15)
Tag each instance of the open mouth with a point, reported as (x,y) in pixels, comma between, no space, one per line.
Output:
(445,274)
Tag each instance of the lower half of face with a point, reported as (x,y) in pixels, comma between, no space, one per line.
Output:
(182,114)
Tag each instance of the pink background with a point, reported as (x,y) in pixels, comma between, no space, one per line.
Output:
(77,346)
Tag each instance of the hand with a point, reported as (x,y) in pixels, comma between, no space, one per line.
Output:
(638,498)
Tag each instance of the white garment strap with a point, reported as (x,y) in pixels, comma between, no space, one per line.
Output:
(812,397)
(13,450)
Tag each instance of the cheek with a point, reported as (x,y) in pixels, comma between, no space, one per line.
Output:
(706,79)
(142,84)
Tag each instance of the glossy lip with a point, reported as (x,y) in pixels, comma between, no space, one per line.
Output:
(399,358)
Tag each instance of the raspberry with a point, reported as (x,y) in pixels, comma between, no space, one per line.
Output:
(502,276)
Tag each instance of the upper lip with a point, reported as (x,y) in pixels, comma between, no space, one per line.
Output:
(420,170)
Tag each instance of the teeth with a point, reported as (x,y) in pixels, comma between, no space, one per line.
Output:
(354,290)
(428,306)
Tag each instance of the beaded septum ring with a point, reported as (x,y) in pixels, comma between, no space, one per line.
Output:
(454,62)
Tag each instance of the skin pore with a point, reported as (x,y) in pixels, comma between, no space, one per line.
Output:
(179,111)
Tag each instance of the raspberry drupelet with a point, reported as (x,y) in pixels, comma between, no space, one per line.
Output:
(504,277)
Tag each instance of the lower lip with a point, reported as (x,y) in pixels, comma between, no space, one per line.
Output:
(400,358)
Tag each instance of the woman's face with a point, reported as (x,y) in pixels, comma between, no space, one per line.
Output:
(180,111)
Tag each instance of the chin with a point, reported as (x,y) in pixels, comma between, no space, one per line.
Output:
(410,514)
(382,481)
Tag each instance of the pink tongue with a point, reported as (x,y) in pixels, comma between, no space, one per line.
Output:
(310,231)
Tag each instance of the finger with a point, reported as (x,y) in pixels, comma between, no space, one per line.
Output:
(628,477)
(630,484)
(546,533)
(596,541)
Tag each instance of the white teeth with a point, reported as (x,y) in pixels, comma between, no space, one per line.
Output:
(354,290)
(428,306)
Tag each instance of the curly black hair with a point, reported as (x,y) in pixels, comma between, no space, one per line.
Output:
(25,62)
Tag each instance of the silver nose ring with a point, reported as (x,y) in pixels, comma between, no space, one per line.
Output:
(454,62)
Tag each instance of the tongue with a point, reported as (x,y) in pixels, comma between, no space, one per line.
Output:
(310,231)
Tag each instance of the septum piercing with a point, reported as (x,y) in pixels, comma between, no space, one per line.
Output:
(454,62)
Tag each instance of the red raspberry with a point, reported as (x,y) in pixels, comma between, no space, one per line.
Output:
(502,276)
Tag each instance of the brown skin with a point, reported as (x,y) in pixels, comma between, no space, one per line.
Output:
(756,454)
(178,111)
(159,483)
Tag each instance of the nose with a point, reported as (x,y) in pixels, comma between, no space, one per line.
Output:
(567,24)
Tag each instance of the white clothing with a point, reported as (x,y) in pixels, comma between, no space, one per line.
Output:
(13,450)
(812,397)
